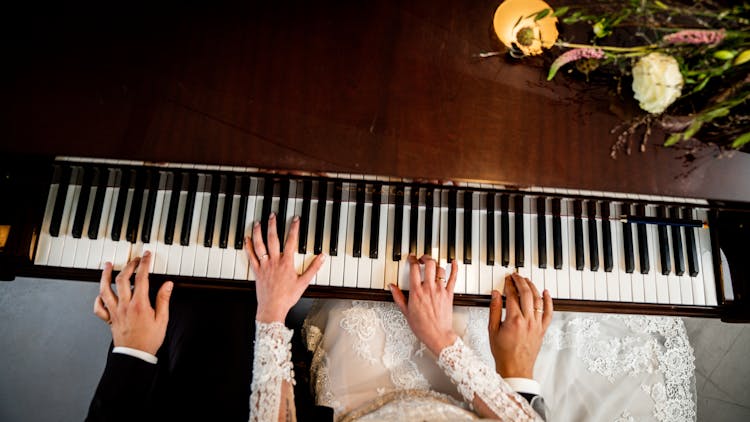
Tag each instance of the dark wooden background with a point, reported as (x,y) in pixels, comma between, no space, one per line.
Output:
(385,87)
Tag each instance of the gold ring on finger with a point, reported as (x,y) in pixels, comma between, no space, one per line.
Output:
(540,310)
(264,256)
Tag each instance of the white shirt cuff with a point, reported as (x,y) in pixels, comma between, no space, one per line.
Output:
(524,385)
(140,354)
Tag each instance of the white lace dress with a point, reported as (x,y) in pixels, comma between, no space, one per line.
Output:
(368,365)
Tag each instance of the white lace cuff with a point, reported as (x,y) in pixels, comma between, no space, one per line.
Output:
(474,377)
(271,366)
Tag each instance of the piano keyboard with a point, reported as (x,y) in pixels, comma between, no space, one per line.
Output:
(194,218)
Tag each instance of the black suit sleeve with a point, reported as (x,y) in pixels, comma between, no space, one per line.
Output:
(125,390)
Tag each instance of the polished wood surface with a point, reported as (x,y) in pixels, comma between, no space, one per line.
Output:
(339,86)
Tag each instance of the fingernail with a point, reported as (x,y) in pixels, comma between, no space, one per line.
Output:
(323,256)
(256,224)
(390,286)
(272,216)
(296,218)
(495,294)
(146,254)
(170,286)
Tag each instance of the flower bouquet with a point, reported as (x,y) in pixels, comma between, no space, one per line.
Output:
(687,64)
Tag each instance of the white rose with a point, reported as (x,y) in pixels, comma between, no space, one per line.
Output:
(657,82)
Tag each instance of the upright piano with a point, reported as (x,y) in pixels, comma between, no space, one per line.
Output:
(174,130)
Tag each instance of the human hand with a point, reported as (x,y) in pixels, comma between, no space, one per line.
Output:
(515,342)
(278,287)
(429,310)
(134,323)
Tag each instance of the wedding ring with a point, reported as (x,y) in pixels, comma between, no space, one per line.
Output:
(539,310)
(440,279)
(264,256)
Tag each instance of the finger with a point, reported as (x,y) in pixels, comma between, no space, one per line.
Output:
(258,247)
(122,281)
(162,303)
(440,277)
(292,238)
(274,248)
(251,258)
(548,310)
(452,279)
(429,271)
(537,301)
(512,305)
(141,277)
(399,298)
(109,300)
(308,275)
(100,311)
(524,292)
(496,311)
(415,274)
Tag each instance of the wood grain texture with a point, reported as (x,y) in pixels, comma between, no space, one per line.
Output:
(368,87)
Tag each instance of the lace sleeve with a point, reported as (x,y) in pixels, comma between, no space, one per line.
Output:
(472,376)
(271,367)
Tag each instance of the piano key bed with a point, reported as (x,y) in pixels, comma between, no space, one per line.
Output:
(194,218)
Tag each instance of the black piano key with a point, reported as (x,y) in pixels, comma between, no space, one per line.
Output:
(661,230)
(541,230)
(131,233)
(606,237)
(627,240)
(239,233)
(338,188)
(148,216)
(122,200)
(429,208)
(504,231)
(265,211)
(642,240)
(452,204)
(519,235)
(692,252)
(593,236)
(283,201)
(375,220)
(62,193)
(213,203)
(490,228)
(414,220)
(97,208)
(304,225)
(359,216)
(187,216)
(83,202)
(468,207)
(320,217)
(226,217)
(679,257)
(578,230)
(174,201)
(557,234)
(398,222)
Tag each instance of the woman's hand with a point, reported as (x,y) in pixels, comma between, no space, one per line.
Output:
(430,307)
(135,324)
(278,287)
(515,342)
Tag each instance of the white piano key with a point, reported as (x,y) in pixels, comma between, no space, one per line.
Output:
(136,248)
(188,255)
(587,276)
(156,221)
(202,252)
(291,209)
(420,224)
(310,253)
(69,242)
(600,276)
(442,234)
(324,275)
(568,254)
(532,234)
(625,279)
(576,276)
(391,266)
(526,269)
(485,271)
(215,253)
(435,246)
(45,240)
(511,238)
(337,261)
(472,270)
(403,264)
(57,245)
(686,286)
(615,278)
(378,278)
(705,256)
(229,254)
(161,256)
(659,280)
(252,202)
(350,262)
(462,268)
(550,273)
(299,259)
(84,243)
(673,280)
(175,249)
(364,268)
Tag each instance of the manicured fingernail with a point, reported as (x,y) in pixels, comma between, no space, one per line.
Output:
(256,224)
(495,294)
(169,287)
(272,216)
(296,218)
(391,286)
(147,253)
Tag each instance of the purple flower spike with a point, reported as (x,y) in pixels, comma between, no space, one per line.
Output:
(571,56)
(696,36)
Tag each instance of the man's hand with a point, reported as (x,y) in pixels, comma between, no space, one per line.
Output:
(278,287)
(515,342)
(135,324)
(429,311)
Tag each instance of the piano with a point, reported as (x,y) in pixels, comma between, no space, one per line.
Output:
(173,127)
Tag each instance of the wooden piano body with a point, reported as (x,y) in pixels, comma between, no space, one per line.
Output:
(387,88)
